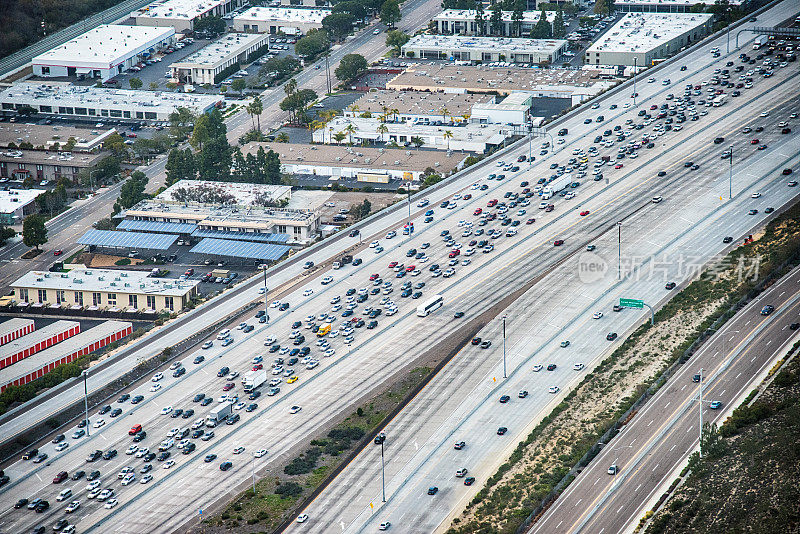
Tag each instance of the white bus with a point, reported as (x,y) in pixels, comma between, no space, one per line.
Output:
(433,303)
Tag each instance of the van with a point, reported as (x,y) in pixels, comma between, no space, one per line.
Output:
(224,334)
(336,265)
(64,495)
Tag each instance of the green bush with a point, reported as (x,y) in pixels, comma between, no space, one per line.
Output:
(123,261)
(289,489)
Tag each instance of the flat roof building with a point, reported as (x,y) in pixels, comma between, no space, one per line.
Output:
(14,328)
(641,38)
(409,105)
(211,63)
(365,164)
(16,204)
(462,22)
(575,84)
(272,20)
(231,193)
(45,136)
(467,137)
(103,52)
(43,165)
(100,103)
(38,340)
(95,289)
(485,49)
(182,14)
(67,351)
(662,6)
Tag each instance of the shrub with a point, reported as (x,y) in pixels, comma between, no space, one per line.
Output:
(289,489)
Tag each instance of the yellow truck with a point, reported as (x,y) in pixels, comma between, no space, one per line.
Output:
(323,330)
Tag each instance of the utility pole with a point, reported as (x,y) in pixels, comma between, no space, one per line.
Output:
(380,438)
(619,251)
(328,73)
(254,474)
(635,65)
(730,175)
(700,404)
(86,402)
(266,300)
(504,346)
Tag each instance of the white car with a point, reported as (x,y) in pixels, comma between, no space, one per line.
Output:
(155,387)
(391,234)
(99,423)
(275,304)
(374,244)
(327,280)
(597,315)
(129,479)
(294,409)
(157,377)
(94,484)
(239,406)
(553,389)
(308,292)
(143,452)
(61,446)
(145,479)
(538,367)
(375,32)
(755,195)
(302,518)
(260,453)
(132,450)
(168,464)
(111,503)
(578,367)
(198,424)
(166,410)
(74,505)
(174,431)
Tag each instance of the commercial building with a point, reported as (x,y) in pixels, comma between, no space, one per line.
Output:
(365,164)
(38,340)
(53,136)
(182,14)
(103,52)
(14,328)
(369,131)
(95,289)
(305,3)
(67,351)
(462,22)
(642,38)
(485,49)
(272,20)
(232,193)
(662,6)
(514,109)
(213,62)
(45,166)
(16,204)
(100,103)
(412,106)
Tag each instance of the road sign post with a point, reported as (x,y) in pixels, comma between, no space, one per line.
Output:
(637,304)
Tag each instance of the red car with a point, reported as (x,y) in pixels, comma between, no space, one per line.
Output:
(754,141)
(558,242)
(453,253)
(227,387)
(467,196)
(410,268)
(530,221)
(392,265)
(189,272)
(478,211)
(584,213)
(653,107)
(258,367)
(61,477)
(135,430)
(492,203)
(373,277)
(58,252)
(618,166)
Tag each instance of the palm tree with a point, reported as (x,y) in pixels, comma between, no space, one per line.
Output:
(417,141)
(339,136)
(249,109)
(395,112)
(317,125)
(257,107)
(350,129)
(445,113)
(290,87)
(448,135)
(354,108)
(382,129)
(466,117)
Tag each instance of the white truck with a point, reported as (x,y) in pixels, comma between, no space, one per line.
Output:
(254,379)
(718,101)
(219,414)
(760,41)
(562,182)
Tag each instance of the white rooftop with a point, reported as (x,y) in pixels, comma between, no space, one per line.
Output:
(12,199)
(230,45)
(685,3)
(103,44)
(173,9)
(508,44)
(469,15)
(15,324)
(640,32)
(366,128)
(106,280)
(54,94)
(243,194)
(37,336)
(285,14)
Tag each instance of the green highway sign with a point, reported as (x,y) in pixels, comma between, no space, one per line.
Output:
(631,303)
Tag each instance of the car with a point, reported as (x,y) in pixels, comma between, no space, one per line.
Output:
(611,336)
(613,470)
(564,344)
(727,239)
(538,367)
(657,199)
(459,445)
(558,242)
(166,410)
(553,389)
(502,430)
(551,367)
(384,526)
(522,394)
(768,309)
(208,344)
(669,285)
(302,518)
(486,344)
(433,490)
(504,399)
(715,405)
(224,466)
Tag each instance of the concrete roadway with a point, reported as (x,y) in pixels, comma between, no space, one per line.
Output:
(648,454)
(306,422)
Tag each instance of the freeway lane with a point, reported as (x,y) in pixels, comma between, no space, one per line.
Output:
(662,435)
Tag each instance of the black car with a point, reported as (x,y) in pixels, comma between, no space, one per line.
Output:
(104,410)
(109,454)
(176,413)
(552,367)
(274,348)
(179,372)
(380,438)
(60,524)
(189,448)
(433,490)
(469,481)
(611,336)
(254,395)
(58,439)
(372,324)
(42,507)
(727,239)
(20,503)
(123,398)
(232,419)
(206,401)
(283,307)
(149,457)
(350,291)
(502,430)
(199,359)
(94,456)
(794,326)
(115,412)
(163,456)
(224,466)
(94,475)
(696,378)
(187,414)
(251,407)
(140,436)
(77,475)
(223,371)
(504,399)
(670,285)
(197,433)
(199,397)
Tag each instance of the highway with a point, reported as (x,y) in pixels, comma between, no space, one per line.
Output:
(172,499)
(660,438)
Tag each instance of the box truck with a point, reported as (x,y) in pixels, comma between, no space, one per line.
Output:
(254,379)
(219,414)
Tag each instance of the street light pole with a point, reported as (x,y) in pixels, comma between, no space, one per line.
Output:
(504,346)
(86,402)
(635,65)
(700,404)
(730,176)
(266,300)
(254,474)
(619,251)
(383,475)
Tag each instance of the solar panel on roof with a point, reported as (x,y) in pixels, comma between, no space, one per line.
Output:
(241,236)
(157,226)
(112,238)
(240,249)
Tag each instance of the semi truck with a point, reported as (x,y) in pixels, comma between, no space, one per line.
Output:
(219,414)
(254,379)
(760,41)
(556,185)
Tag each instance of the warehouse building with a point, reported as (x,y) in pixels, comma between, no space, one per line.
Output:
(103,52)
(663,6)
(641,38)
(462,22)
(234,193)
(67,351)
(95,289)
(53,136)
(38,340)
(99,103)
(217,60)
(182,14)
(365,164)
(16,204)
(485,49)
(287,20)
(14,328)
(42,165)
(408,106)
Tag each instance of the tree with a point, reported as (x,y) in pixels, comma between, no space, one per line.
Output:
(272,168)
(291,87)
(106,169)
(26,110)
(496,19)
(351,67)
(458,4)
(153,86)
(313,43)
(350,129)
(338,25)
(116,144)
(181,122)
(382,129)
(34,232)
(390,13)
(6,233)
(207,127)
(70,144)
(297,103)
(417,141)
(352,7)
(239,85)
(542,29)
(516,18)
(479,18)
(601,7)
(214,160)
(282,66)
(396,39)
(131,192)
(339,137)
(559,29)
(448,135)
(256,108)
(282,137)
(214,25)
(180,166)
(136,83)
